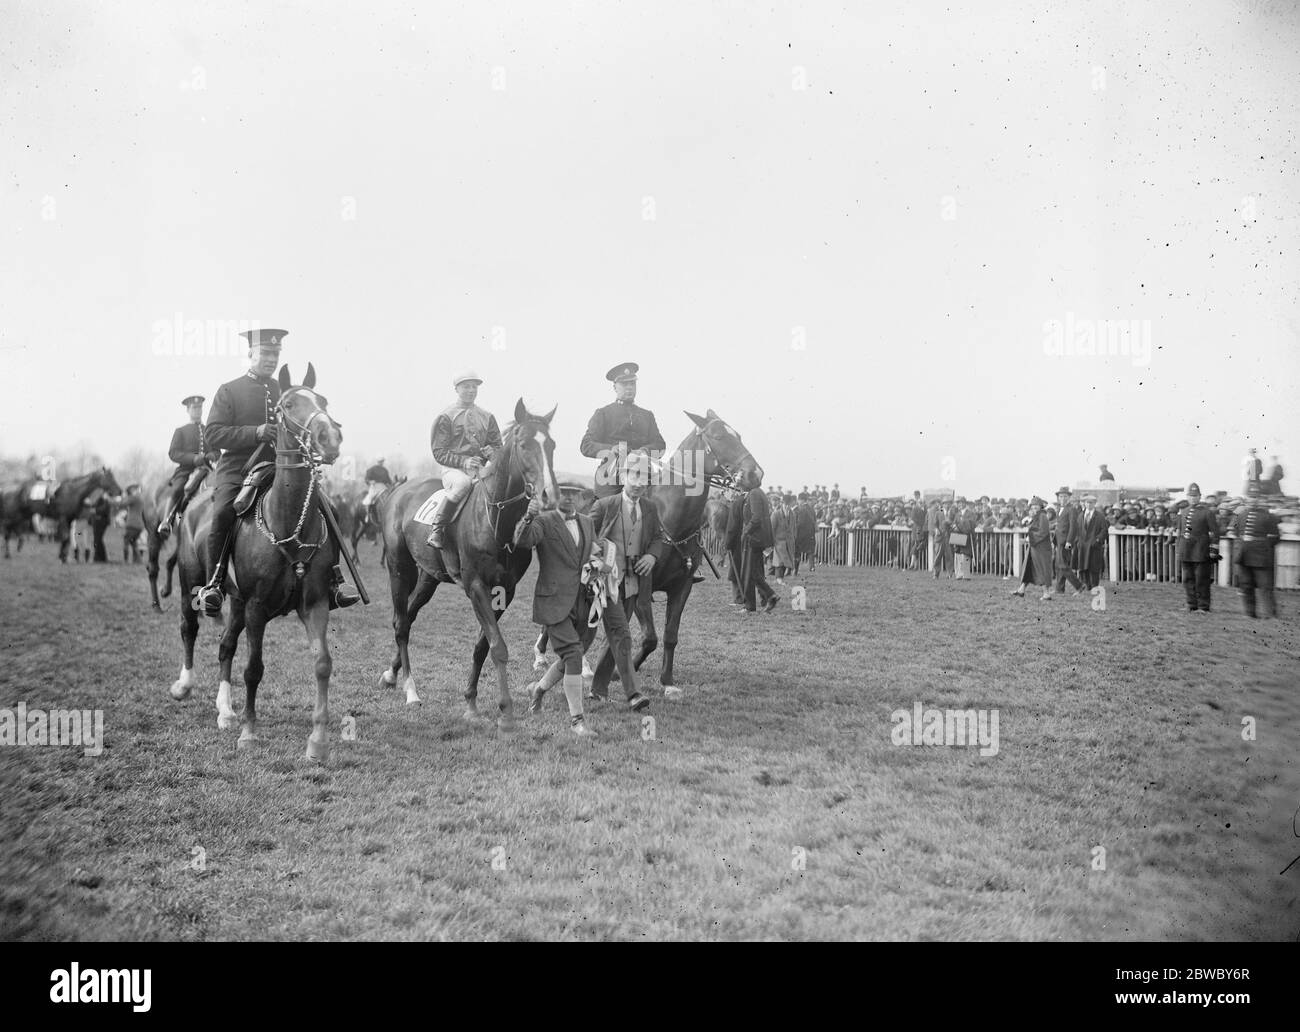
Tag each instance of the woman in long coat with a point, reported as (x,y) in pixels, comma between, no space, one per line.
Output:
(1038,559)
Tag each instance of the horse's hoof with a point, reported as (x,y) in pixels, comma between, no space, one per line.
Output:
(318,752)
(225,721)
(507,723)
(165,593)
(472,715)
(412,696)
(248,740)
(388,678)
(156,607)
(180,691)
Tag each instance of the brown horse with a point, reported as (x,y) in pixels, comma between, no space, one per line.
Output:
(280,563)
(712,455)
(17,507)
(156,498)
(70,498)
(483,538)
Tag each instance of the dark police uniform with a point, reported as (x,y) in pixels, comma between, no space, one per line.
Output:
(189,450)
(1256,530)
(239,408)
(619,423)
(1198,535)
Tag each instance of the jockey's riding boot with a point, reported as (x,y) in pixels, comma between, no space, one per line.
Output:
(436,536)
(342,594)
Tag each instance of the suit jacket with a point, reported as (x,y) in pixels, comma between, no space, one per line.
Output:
(239,408)
(1198,530)
(1094,536)
(1261,526)
(735,522)
(607,516)
(1068,522)
(559,575)
(757,529)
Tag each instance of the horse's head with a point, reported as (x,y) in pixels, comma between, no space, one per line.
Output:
(105,480)
(726,459)
(304,421)
(524,455)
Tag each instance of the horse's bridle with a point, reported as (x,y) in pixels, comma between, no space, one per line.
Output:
(516,466)
(301,432)
(728,481)
(308,458)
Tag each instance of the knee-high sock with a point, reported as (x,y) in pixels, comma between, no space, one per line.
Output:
(573,693)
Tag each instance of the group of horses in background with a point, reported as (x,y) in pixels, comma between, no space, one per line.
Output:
(281,558)
(66,506)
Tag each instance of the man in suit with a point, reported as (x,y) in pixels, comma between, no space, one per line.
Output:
(1256,531)
(193,457)
(630,520)
(1093,537)
(618,429)
(805,534)
(755,536)
(1067,543)
(565,542)
(1198,548)
(735,524)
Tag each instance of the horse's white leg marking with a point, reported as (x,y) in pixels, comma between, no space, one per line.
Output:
(412,696)
(183,685)
(225,715)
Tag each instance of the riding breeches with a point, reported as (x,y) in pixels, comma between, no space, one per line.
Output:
(223,518)
(457,483)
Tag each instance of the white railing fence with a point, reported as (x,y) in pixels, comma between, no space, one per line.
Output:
(1133,555)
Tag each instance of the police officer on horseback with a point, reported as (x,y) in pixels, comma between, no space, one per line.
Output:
(464,439)
(194,458)
(619,428)
(242,423)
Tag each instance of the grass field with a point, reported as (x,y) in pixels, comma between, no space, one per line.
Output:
(1119,729)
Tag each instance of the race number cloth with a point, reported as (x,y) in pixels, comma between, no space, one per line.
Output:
(425,513)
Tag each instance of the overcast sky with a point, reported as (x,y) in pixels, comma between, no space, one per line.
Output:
(847,228)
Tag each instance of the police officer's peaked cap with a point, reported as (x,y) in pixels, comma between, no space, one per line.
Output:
(265,338)
(193,399)
(622,372)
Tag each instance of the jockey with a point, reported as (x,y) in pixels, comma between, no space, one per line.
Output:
(377,478)
(242,423)
(618,427)
(463,440)
(194,458)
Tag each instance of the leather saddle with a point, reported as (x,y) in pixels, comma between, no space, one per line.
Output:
(255,484)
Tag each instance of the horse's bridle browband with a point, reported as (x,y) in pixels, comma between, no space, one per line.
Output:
(301,432)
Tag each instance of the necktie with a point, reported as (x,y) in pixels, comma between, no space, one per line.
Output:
(571,516)
(634,508)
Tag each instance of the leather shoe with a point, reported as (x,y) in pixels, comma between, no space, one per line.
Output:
(638,702)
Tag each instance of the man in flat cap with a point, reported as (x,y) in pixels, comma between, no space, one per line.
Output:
(193,456)
(464,439)
(1198,540)
(1256,530)
(241,422)
(619,428)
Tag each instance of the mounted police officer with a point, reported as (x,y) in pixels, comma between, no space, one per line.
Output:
(241,422)
(619,428)
(194,458)
(463,440)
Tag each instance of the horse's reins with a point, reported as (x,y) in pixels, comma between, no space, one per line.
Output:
(309,458)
